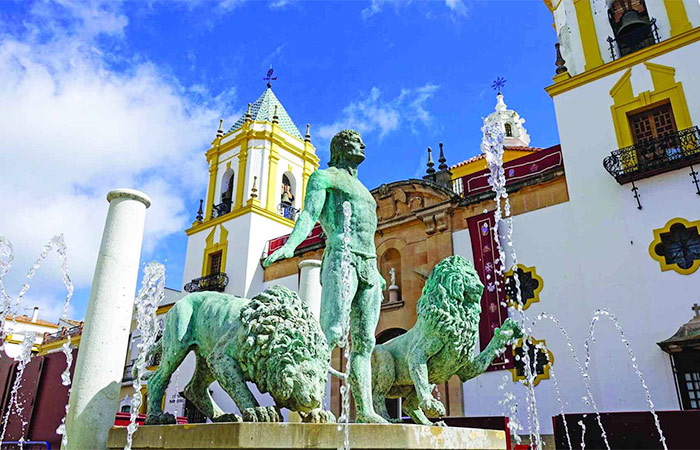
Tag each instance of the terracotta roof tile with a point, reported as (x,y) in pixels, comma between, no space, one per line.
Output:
(27,319)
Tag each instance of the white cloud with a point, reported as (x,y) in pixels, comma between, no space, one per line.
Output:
(72,129)
(374,114)
(376,6)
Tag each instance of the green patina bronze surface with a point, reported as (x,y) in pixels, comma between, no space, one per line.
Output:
(440,345)
(326,192)
(271,340)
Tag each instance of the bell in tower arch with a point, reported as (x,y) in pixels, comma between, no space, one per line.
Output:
(631,25)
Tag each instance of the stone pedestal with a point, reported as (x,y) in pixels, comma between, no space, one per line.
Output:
(99,367)
(393,293)
(310,285)
(290,436)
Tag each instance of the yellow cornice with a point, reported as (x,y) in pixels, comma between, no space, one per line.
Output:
(567,84)
(43,349)
(253,208)
(303,153)
(164,309)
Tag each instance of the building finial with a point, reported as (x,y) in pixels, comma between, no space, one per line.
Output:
(275,119)
(442,160)
(269,77)
(498,84)
(248,116)
(561,64)
(200,212)
(307,138)
(254,189)
(220,131)
(430,170)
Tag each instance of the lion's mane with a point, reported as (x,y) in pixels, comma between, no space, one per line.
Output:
(450,303)
(280,334)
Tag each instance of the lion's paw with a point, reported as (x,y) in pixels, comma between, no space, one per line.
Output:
(318,416)
(433,407)
(261,414)
(439,423)
(160,419)
(227,417)
(510,330)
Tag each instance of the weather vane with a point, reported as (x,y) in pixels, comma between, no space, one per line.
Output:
(269,76)
(499,84)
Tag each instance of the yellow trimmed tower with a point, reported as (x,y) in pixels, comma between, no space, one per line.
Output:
(258,172)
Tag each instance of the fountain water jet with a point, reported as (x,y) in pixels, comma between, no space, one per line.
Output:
(10,308)
(604,312)
(146,303)
(492,148)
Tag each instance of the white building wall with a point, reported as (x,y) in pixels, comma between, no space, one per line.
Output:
(593,252)
(692,9)
(569,36)
(193,258)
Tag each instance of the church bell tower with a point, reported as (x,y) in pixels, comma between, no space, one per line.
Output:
(258,171)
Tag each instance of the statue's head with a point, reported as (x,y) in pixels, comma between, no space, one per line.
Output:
(284,352)
(347,146)
(302,385)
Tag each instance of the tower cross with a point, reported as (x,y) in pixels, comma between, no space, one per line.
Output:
(696,308)
(498,84)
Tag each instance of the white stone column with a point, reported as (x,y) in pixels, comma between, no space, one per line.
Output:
(310,285)
(94,397)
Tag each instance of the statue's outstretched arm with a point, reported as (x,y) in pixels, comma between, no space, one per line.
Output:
(313,205)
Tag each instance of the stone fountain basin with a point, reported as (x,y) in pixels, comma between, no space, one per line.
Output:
(264,436)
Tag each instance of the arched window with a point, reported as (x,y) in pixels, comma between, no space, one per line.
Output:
(631,25)
(227,187)
(509,130)
(287,197)
(391,262)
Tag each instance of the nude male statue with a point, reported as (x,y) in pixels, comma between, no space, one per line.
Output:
(326,192)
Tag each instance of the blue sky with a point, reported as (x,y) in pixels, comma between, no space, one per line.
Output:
(111,94)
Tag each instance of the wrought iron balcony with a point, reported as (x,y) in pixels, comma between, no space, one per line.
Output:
(221,209)
(288,211)
(214,282)
(651,157)
(637,39)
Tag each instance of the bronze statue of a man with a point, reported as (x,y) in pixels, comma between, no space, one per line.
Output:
(326,192)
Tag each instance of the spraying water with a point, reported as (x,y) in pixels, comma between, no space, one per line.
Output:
(605,313)
(492,147)
(23,358)
(150,296)
(346,268)
(10,308)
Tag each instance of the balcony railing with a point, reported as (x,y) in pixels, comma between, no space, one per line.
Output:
(221,209)
(654,156)
(637,39)
(214,282)
(288,211)
(63,334)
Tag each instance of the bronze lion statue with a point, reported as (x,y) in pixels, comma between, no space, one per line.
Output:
(271,340)
(440,345)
